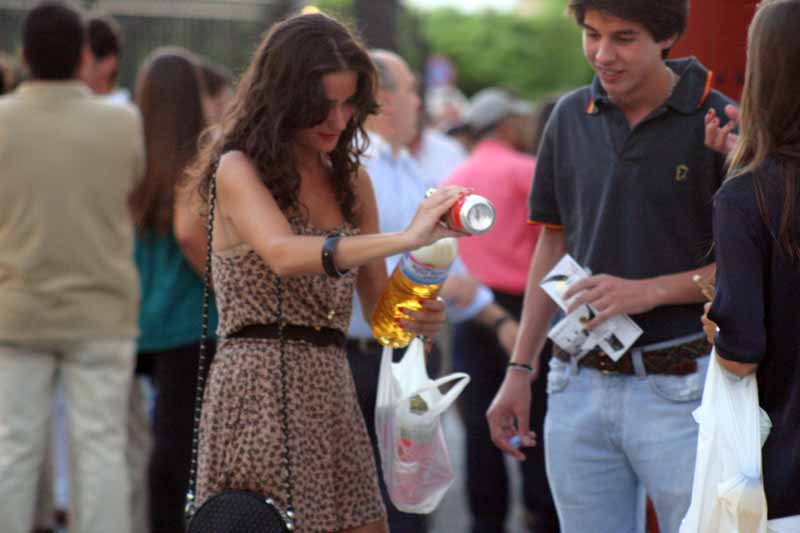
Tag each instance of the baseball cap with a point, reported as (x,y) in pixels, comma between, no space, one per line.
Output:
(490,106)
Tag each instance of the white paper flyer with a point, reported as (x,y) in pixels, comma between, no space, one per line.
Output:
(615,336)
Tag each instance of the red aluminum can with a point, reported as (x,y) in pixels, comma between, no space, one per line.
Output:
(472,213)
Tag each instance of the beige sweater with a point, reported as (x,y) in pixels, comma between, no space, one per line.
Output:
(67,163)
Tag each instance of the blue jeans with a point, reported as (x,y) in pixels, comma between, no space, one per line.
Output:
(607,433)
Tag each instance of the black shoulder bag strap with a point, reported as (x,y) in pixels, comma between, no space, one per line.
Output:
(230,502)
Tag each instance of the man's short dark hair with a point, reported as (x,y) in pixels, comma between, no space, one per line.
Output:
(662,18)
(53,36)
(105,36)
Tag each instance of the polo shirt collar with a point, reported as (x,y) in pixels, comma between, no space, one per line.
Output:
(693,86)
(691,91)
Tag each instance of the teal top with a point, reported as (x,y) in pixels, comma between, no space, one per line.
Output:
(172,295)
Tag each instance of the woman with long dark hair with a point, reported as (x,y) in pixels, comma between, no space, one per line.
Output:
(170,255)
(295,233)
(757,242)
(218,84)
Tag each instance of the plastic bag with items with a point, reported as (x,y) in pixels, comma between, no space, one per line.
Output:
(728,491)
(416,465)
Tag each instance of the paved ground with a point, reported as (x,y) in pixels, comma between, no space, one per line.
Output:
(451,515)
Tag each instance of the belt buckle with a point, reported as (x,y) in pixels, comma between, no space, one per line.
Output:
(603,364)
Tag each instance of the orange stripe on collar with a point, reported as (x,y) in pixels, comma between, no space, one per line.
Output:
(555,227)
(707,89)
(591,107)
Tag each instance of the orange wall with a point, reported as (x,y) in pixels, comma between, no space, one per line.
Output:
(717,35)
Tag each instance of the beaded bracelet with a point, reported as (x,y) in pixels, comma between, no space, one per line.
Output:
(328,251)
(522,367)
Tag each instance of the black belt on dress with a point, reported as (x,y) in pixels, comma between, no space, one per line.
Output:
(678,360)
(319,336)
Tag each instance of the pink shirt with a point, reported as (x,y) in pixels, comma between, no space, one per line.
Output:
(500,257)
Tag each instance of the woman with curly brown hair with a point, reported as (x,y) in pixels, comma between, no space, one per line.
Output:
(295,233)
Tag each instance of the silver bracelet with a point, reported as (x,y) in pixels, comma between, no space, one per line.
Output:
(521,367)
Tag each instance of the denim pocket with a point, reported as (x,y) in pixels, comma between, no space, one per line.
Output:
(557,375)
(681,389)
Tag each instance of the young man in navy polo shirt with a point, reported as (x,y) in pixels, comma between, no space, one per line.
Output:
(624,184)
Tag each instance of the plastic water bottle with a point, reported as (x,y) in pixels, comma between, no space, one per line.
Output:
(422,470)
(414,433)
(418,276)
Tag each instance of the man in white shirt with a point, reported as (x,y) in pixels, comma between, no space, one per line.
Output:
(399,188)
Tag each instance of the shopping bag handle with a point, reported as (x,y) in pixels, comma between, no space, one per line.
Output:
(449,397)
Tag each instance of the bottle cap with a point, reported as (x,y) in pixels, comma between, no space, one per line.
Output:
(438,254)
(418,405)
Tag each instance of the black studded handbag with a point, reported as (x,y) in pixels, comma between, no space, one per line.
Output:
(235,511)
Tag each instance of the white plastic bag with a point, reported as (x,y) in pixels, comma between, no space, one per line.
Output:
(728,491)
(416,465)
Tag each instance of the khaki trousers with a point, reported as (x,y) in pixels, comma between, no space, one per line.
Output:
(140,447)
(97,375)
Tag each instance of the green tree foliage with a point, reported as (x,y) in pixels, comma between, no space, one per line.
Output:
(343,10)
(534,56)
(412,43)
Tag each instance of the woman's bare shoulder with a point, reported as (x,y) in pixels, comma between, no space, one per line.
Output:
(235,162)
(237,173)
(363,181)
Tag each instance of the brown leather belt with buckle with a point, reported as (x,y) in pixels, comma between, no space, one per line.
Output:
(678,360)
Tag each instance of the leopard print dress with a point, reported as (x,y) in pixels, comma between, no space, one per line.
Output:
(241,440)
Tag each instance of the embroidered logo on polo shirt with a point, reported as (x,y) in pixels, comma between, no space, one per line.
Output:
(681,173)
